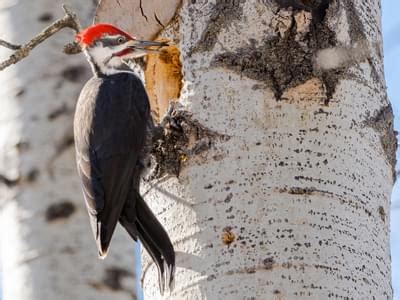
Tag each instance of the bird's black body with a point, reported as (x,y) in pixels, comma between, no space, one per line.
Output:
(111,128)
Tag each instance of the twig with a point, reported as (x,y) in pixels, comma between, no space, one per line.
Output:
(70,20)
(9,45)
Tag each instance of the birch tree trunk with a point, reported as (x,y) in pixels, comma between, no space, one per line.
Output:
(289,197)
(48,251)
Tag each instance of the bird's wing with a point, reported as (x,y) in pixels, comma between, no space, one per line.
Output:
(109,130)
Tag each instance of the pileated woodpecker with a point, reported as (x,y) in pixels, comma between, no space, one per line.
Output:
(112,127)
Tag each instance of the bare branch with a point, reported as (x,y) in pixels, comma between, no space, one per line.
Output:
(72,48)
(9,45)
(70,20)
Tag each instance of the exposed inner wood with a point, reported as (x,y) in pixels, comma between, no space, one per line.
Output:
(142,19)
(163,78)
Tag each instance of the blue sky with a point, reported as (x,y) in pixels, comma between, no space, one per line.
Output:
(391,35)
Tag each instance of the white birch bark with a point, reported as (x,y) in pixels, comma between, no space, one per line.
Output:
(301,190)
(48,251)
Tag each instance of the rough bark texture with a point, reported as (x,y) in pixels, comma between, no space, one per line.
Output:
(48,251)
(294,204)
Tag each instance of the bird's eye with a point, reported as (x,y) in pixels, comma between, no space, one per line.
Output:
(121,40)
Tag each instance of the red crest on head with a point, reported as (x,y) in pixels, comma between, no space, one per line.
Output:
(96,31)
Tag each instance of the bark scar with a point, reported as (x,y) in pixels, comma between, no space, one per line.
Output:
(178,139)
(287,59)
(382,122)
(222,14)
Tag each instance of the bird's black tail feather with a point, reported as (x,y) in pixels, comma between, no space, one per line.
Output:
(155,240)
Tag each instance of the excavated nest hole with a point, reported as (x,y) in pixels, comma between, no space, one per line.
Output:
(179,137)
(163,78)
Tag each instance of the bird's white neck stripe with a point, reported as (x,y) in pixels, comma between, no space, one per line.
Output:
(111,71)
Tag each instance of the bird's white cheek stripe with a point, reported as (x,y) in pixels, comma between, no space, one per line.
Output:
(99,53)
(103,58)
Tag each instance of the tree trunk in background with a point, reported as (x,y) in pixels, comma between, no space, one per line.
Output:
(48,251)
(295,202)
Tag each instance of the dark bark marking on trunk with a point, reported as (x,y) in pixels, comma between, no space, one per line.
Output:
(57,211)
(45,17)
(65,143)
(383,123)
(9,182)
(113,277)
(316,7)
(357,35)
(299,190)
(223,14)
(23,146)
(32,175)
(285,62)
(269,263)
(178,139)
(356,30)
(269,63)
(20,92)
(112,280)
(228,198)
(74,73)
(382,213)
(331,79)
(58,112)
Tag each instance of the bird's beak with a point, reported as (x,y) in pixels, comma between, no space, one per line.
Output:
(144,45)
